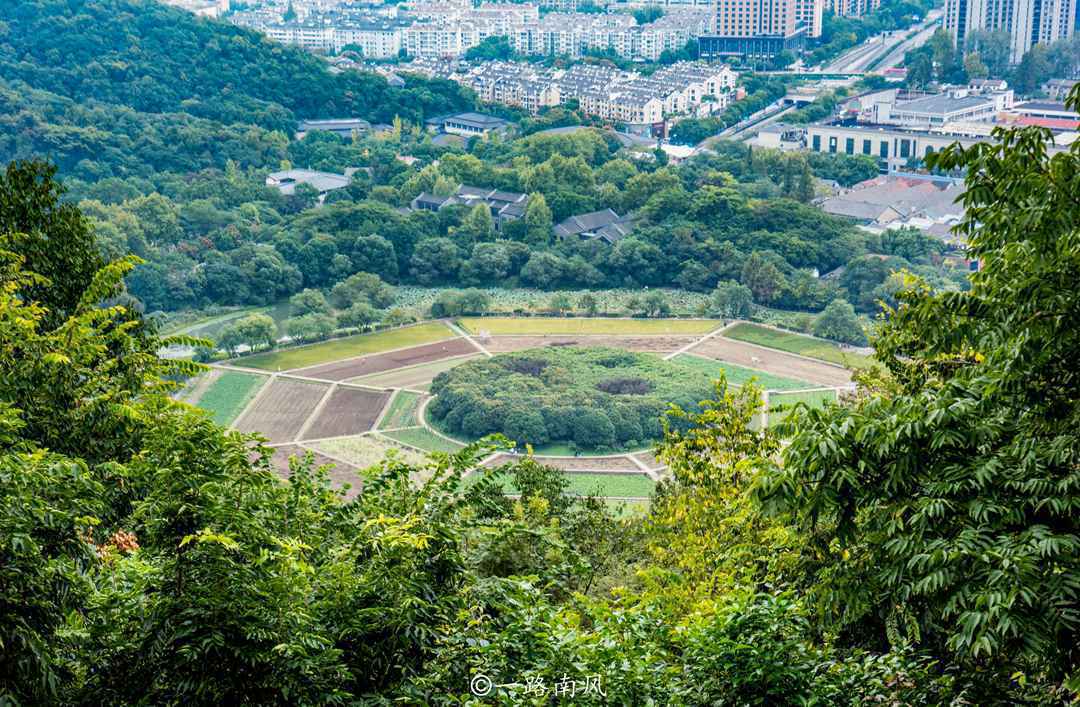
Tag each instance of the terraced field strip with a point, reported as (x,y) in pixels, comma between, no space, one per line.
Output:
(402,412)
(417,377)
(778,363)
(389,361)
(348,411)
(643,343)
(347,347)
(740,375)
(281,410)
(797,344)
(423,439)
(582,325)
(228,393)
(609,485)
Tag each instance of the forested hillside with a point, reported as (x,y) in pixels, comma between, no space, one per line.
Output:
(164,126)
(152,88)
(916,545)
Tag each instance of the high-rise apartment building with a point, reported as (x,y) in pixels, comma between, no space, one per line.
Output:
(808,14)
(759,28)
(853,8)
(1028,22)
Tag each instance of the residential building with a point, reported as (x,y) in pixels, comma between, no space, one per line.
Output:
(323,182)
(1027,22)
(345,127)
(202,8)
(758,28)
(1058,89)
(605,225)
(853,8)
(467,124)
(505,205)
(808,16)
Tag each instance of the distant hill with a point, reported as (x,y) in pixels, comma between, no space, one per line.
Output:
(126,87)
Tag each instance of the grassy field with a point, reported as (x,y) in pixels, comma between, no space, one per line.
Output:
(738,375)
(797,344)
(346,347)
(402,412)
(425,439)
(571,325)
(603,485)
(814,399)
(368,450)
(228,395)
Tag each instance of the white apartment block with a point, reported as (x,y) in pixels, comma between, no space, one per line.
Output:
(572,34)
(1028,22)
(853,8)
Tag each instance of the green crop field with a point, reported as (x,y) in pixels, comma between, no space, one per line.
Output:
(574,325)
(797,344)
(738,375)
(347,347)
(228,395)
(425,439)
(813,398)
(402,412)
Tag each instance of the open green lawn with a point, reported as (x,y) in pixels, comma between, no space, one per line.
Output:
(603,485)
(402,412)
(814,399)
(578,325)
(738,375)
(796,343)
(228,395)
(422,438)
(347,347)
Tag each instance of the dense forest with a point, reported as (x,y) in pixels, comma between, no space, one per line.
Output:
(918,544)
(164,127)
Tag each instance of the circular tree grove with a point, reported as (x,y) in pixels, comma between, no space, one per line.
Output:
(596,399)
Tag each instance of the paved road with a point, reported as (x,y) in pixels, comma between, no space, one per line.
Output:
(892,48)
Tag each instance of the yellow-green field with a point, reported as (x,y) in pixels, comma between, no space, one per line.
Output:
(797,344)
(584,326)
(347,347)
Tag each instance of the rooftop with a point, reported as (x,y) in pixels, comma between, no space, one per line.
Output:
(943,104)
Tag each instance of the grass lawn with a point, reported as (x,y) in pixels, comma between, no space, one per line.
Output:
(228,395)
(402,412)
(423,438)
(347,347)
(814,399)
(738,375)
(572,325)
(798,344)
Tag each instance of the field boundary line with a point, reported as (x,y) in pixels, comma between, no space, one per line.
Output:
(641,465)
(468,337)
(386,408)
(254,399)
(420,415)
(715,332)
(332,457)
(410,367)
(789,353)
(310,420)
(243,369)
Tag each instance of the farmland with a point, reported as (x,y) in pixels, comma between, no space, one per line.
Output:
(402,412)
(368,450)
(339,473)
(390,361)
(797,344)
(423,438)
(775,362)
(584,326)
(280,411)
(812,398)
(649,343)
(602,484)
(417,377)
(348,411)
(358,345)
(739,375)
(619,463)
(226,396)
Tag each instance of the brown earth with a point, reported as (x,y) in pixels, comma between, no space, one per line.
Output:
(649,459)
(658,344)
(377,363)
(348,411)
(281,409)
(340,474)
(776,362)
